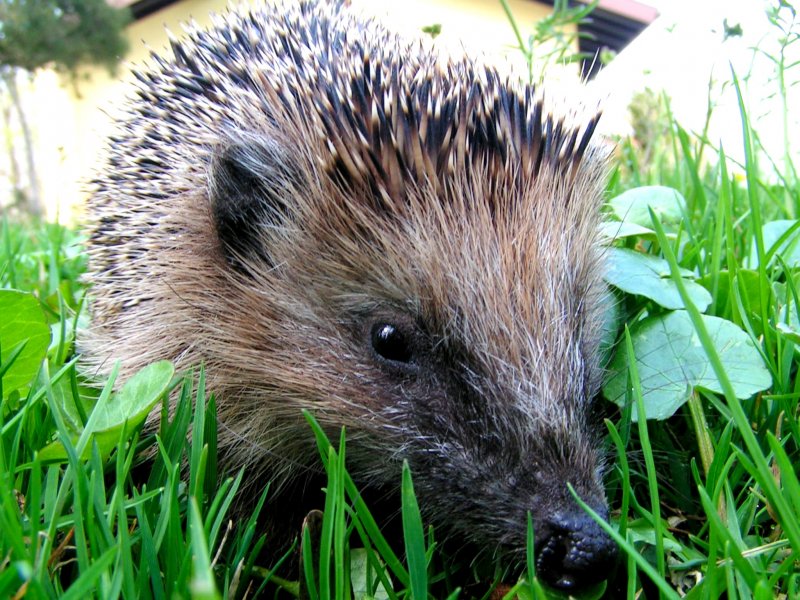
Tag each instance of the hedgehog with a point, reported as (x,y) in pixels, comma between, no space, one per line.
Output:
(334,219)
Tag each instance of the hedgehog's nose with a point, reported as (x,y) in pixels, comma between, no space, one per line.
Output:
(575,552)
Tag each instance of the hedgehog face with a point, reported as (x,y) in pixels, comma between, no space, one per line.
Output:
(489,445)
(491,365)
(458,331)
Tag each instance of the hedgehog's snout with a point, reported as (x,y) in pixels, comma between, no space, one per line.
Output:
(574,552)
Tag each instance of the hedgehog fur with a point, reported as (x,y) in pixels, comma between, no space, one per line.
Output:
(331,218)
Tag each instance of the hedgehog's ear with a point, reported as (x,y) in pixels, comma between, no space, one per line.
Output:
(251,182)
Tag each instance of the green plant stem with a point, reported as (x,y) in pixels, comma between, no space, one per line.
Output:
(762,471)
(647,451)
(700,426)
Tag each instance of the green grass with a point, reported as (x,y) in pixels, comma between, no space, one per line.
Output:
(717,481)
(704,493)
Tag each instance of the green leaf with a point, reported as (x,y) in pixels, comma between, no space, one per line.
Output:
(414,538)
(612,322)
(131,404)
(779,241)
(359,573)
(788,323)
(616,230)
(671,363)
(631,206)
(641,531)
(139,394)
(202,583)
(749,284)
(23,329)
(83,586)
(68,404)
(648,276)
(789,331)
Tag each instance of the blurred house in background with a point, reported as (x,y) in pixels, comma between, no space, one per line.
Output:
(70,124)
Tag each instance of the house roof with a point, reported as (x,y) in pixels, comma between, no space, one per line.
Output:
(612,25)
(142,8)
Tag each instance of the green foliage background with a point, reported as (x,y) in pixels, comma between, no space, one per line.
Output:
(64,33)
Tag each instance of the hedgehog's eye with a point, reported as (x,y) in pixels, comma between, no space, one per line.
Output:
(390,343)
